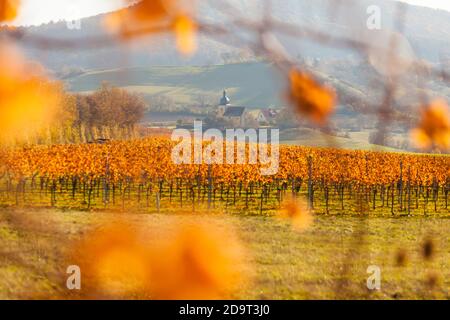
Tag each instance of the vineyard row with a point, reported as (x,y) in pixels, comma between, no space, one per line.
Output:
(139,174)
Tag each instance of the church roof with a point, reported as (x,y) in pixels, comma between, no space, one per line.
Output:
(234,112)
(224,101)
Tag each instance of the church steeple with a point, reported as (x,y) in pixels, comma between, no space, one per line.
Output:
(224,101)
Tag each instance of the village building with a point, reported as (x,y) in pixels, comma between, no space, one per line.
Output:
(263,117)
(233,115)
(240,116)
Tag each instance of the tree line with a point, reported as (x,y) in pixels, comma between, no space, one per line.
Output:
(107,113)
(109,106)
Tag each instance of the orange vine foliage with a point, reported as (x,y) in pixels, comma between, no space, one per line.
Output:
(149,159)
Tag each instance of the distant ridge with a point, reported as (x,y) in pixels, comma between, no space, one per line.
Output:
(426,29)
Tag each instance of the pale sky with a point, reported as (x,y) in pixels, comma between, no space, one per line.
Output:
(35,12)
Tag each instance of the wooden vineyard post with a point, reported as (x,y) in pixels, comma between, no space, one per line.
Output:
(263,191)
(401,186)
(17,193)
(227,199)
(209,187)
(192,193)
(106,181)
(310,187)
(409,190)
(392,198)
(246,198)
(446,189)
(374,198)
(435,193)
(199,189)
(123,197)
(180,190)
(74,187)
(90,191)
(416,188)
(158,200)
(147,194)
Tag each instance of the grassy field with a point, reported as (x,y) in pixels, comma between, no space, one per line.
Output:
(329,260)
(250,84)
(315,138)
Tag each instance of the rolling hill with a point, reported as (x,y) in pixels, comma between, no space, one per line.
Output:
(426,30)
(251,84)
(141,65)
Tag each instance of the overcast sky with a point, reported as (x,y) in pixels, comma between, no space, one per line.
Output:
(35,12)
(42,11)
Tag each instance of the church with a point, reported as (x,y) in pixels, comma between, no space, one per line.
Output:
(235,115)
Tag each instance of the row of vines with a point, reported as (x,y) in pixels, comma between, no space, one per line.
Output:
(140,174)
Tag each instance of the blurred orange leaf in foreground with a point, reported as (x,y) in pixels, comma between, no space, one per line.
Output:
(27,98)
(297,213)
(310,98)
(188,262)
(8,9)
(185,31)
(113,262)
(434,126)
(151,16)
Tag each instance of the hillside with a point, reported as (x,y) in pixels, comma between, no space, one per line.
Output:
(426,30)
(141,64)
(252,84)
(249,84)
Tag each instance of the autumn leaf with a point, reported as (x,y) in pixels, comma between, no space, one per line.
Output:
(296,212)
(185,31)
(188,262)
(113,260)
(27,98)
(434,126)
(197,264)
(156,16)
(309,97)
(8,10)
